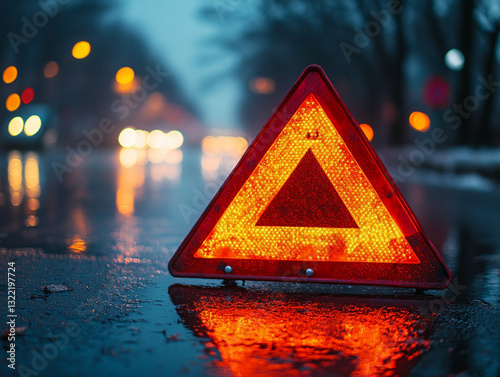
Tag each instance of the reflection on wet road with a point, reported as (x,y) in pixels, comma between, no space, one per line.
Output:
(109,227)
(256,333)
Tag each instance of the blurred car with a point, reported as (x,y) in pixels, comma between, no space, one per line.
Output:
(31,127)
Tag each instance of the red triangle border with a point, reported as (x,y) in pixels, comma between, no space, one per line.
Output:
(431,273)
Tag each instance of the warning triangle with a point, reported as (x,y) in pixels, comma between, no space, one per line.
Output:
(311,201)
(316,204)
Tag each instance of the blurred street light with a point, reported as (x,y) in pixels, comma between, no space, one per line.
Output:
(16,126)
(233,146)
(173,139)
(127,137)
(436,92)
(81,50)
(13,102)
(454,59)
(10,74)
(32,125)
(367,130)
(262,85)
(420,121)
(141,140)
(156,139)
(51,69)
(27,95)
(125,75)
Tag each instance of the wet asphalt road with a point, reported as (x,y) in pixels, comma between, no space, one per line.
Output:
(108,229)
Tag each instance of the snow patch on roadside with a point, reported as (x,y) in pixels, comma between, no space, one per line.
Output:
(465,158)
(469,181)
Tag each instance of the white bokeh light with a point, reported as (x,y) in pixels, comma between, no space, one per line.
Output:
(454,59)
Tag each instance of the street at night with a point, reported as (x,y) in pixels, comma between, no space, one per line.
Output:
(109,228)
(247,189)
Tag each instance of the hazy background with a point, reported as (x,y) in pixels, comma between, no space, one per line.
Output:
(404,68)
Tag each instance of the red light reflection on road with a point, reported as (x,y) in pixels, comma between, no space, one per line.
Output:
(277,334)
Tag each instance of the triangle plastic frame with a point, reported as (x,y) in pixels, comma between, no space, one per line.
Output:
(430,273)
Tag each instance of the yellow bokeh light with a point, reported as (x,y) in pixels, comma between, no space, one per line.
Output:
(173,157)
(127,137)
(156,156)
(33,204)
(130,177)
(125,75)
(32,125)
(156,139)
(31,220)
(15,178)
(10,74)
(210,163)
(233,146)
(174,139)
(141,140)
(420,121)
(16,126)
(51,69)
(32,175)
(13,102)
(367,130)
(377,238)
(128,157)
(81,50)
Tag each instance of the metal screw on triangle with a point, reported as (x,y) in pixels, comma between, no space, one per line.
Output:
(228,269)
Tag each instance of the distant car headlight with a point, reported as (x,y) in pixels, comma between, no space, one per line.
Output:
(33,125)
(16,126)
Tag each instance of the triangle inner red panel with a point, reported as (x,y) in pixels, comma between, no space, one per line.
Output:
(315,202)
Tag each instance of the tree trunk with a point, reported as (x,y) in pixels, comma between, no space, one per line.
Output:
(465,134)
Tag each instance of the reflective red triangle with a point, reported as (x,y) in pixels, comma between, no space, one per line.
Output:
(316,203)
(387,246)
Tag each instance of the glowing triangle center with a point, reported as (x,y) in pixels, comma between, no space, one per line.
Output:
(307,199)
(369,233)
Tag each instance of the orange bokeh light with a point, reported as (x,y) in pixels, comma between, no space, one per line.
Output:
(420,121)
(376,238)
(13,102)
(10,74)
(51,69)
(125,75)
(77,245)
(262,85)
(283,334)
(367,130)
(130,178)
(220,145)
(81,50)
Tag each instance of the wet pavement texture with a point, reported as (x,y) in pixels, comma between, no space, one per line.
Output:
(107,229)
